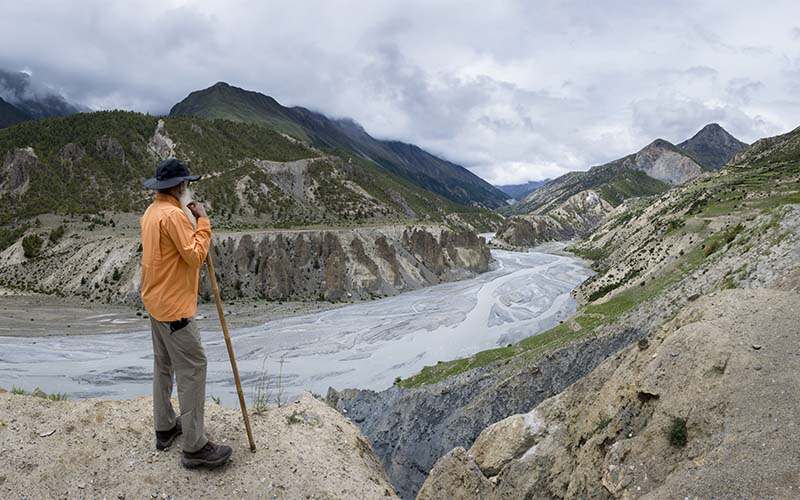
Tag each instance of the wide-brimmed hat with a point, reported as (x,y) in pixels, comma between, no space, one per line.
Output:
(170,173)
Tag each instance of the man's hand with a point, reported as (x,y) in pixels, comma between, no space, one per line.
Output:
(197,209)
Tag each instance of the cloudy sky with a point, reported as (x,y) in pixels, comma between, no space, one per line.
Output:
(513,90)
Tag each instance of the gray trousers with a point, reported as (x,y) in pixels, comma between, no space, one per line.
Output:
(180,352)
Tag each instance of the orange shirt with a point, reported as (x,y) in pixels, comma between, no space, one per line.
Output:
(172,253)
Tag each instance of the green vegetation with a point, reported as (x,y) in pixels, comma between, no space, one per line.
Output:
(94,162)
(677,433)
(222,101)
(55,396)
(32,245)
(9,235)
(630,184)
(591,253)
(56,234)
(90,162)
(601,425)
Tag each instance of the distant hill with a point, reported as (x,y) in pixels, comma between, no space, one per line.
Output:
(661,162)
(91,162)
(520,191)
(559,209)
(21,99)
(406,160)
(712,146)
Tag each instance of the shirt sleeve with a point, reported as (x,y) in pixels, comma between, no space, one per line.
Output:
(191,243)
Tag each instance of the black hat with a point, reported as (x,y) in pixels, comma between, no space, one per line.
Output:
(170,173)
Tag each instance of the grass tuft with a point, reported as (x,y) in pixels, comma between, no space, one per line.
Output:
(677,434)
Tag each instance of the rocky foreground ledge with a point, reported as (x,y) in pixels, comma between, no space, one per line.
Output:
(106,449)
(705,407)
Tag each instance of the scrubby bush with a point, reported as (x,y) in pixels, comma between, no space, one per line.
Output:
(56,234)
(678,437)
(710,248)
(9,236)
(31,245)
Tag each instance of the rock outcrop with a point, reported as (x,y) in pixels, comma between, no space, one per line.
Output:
(575,218)
(106,449)
(16,170)
(330,265)
(663,161)
(698,409)
(409,429)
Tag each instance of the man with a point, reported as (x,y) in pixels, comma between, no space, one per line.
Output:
(172,253)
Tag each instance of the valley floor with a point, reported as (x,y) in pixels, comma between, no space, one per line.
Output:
(367,344)
(38,315)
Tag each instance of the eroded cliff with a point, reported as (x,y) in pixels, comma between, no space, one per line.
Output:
(275,265)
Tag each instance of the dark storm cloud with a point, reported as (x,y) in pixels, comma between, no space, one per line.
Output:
(515,90)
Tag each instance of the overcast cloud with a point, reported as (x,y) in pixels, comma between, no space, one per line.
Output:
(513,90)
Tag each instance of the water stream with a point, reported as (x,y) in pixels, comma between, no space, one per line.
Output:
(364,345)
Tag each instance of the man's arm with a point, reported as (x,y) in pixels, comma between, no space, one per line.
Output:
(191,244)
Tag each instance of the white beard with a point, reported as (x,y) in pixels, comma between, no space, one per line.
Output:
(186,197)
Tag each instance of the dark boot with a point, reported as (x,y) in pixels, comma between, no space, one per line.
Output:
(210,455)
(164,439)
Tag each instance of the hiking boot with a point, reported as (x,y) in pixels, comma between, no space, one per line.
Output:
(164,439)
(210,455)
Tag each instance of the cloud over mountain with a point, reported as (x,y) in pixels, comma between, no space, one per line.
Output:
(513,90)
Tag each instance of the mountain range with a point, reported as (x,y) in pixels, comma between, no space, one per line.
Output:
(576,203)
(520,191)
(406,160)
(22,100)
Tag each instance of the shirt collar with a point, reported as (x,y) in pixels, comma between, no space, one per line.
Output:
(168,198)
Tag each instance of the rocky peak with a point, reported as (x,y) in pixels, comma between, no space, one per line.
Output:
(659,144)
(663,161)
(712,146)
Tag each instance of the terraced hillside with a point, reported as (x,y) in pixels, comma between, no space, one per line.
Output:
(405,160)
(736,228)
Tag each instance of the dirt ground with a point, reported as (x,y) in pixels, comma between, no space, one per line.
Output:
(93,449)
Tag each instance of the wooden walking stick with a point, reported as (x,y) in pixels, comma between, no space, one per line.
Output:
(242,403)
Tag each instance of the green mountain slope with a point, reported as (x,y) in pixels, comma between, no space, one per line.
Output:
(411,162)
(255,177)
